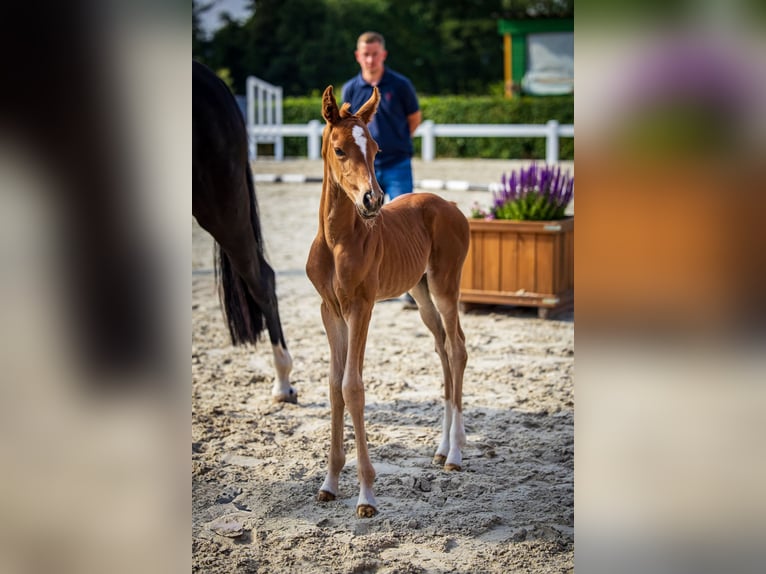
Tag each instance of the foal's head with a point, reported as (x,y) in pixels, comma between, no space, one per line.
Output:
(349,152)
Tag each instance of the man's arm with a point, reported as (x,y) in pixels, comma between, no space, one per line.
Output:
(414,120)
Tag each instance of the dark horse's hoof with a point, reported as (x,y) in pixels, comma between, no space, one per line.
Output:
(289,397)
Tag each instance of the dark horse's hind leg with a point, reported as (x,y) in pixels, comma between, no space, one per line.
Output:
(266,299)
(257,274)
(225,205)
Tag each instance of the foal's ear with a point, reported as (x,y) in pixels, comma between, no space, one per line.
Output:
(330,106)
(369,108)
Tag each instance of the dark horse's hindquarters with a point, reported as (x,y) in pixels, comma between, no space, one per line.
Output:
(224,204)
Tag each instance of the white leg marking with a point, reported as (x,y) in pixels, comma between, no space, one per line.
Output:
(330,484)
(444,445)
(282,390)
(457,439)
(366,496)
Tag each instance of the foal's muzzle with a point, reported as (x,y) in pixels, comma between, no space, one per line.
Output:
(371,204)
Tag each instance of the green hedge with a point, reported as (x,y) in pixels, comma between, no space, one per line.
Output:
(464,110)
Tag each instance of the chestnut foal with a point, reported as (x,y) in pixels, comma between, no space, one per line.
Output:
(364,252)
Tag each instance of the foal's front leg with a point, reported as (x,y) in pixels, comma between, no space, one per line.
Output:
(337,336)
(353,395)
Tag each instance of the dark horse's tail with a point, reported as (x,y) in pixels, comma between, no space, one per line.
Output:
(243,315)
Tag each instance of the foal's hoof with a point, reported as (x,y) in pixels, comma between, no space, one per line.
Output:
(440,459)
(451,467)
(289,397)
(324,496)
(365,511)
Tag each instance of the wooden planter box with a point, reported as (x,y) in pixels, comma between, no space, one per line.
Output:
(528,263)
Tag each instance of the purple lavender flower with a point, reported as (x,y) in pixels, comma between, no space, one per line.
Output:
(534,192)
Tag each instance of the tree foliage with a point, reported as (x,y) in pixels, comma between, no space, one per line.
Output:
(444,46)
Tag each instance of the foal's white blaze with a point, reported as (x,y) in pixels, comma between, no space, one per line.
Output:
(360,139)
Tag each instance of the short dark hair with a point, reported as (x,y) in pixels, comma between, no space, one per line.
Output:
(371,38)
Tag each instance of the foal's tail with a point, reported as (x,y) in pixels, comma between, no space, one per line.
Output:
(243,315)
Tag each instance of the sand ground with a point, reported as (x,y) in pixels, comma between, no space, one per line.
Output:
(257,465)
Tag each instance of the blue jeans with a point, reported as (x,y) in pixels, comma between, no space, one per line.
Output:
(395,180)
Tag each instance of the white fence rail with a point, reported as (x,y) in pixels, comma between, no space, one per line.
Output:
(552,131)
(428,131)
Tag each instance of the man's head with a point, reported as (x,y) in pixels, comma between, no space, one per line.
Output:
(370,54)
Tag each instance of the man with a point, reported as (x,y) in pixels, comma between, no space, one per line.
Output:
(397,117)
(395,121)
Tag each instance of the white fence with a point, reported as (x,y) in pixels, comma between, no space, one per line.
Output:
(428,130)
(551,131)
(264,116)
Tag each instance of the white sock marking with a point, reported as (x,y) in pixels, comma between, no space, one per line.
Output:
(457,438)
(284,365)
(444,445)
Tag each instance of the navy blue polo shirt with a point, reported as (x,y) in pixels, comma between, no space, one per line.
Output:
(389,127)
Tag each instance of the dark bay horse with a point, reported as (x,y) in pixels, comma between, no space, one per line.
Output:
(365,252)
(224,204)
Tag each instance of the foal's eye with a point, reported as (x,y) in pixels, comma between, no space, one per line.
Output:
(339,152)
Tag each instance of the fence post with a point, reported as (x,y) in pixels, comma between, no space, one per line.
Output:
(315,136)
(264,113)
(279,142)
(552,143)
(252,145)
(428,144)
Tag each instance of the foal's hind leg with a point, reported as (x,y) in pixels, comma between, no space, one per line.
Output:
(432,320)
(458,357)
(445,291)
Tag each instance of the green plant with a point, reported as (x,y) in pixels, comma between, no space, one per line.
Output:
(225,75)
(535,193)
